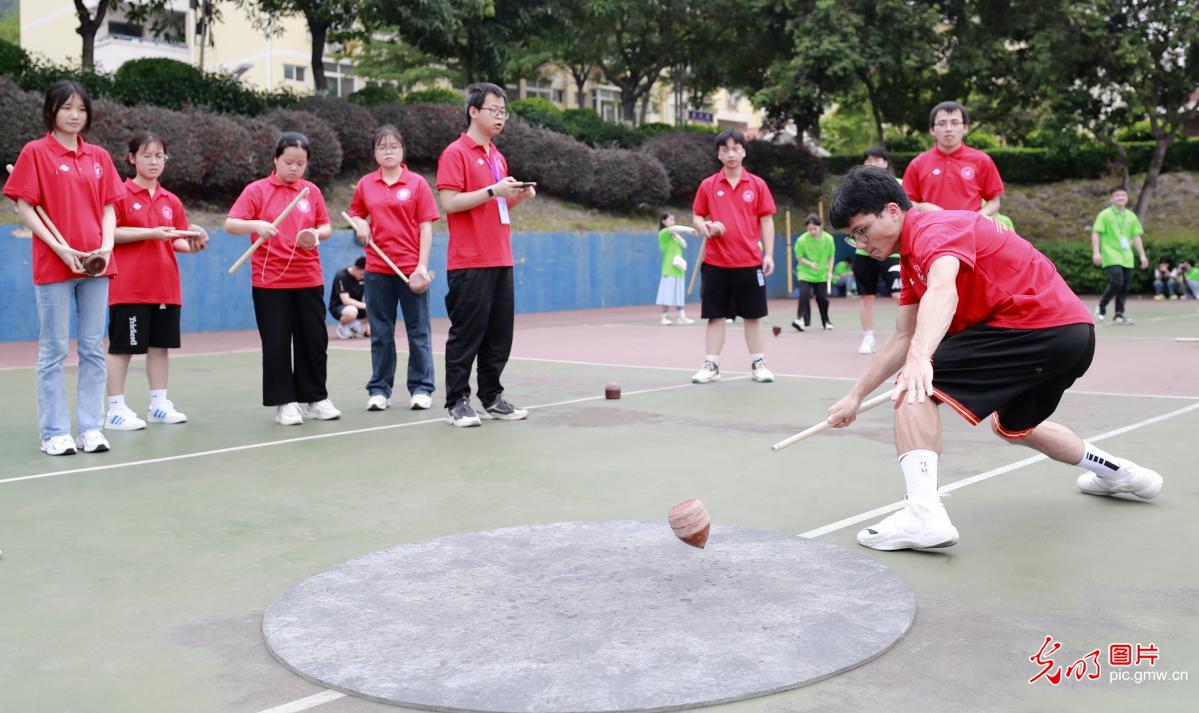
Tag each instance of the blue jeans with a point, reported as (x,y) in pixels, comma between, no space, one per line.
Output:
(54,307)
(383,294)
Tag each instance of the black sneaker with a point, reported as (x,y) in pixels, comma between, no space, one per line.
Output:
(501,410)
(462,415)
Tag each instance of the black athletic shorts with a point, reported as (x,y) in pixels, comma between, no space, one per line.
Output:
(732,292)
(867,272)
(1018,375)
(134,328)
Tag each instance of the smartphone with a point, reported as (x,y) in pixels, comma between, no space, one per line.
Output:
(526,184)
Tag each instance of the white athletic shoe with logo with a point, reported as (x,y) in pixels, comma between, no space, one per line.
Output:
(92,441)
(759,372)
(378,402)
(289,414)
(918,525)
(323,410)
(708,373)
(420,402)
(1131,478)
(867,346)
(165,412)
(123,419)
(61,445)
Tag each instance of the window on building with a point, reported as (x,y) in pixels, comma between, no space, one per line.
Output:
(339,78)
(606,103)
(539,88)
(295,72)
(125,30)
(559,97)
(163,28)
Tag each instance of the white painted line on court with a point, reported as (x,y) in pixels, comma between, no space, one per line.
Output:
(304,704)
(301,439)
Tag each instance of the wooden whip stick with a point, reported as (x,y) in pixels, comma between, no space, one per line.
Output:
(93,264)
(378,250)
(262,238)
(699,260)
(49,226)
(790,254)
(866,406)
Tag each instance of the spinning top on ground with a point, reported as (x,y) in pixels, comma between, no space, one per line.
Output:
(690,522)
(94,264)
(612,390)
(776,330)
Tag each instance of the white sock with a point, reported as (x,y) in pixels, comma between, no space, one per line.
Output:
(920,473)
(714,358)
(868,332)
(682,313)
(1098,461)
(158,397)
(754,358)
(116,402)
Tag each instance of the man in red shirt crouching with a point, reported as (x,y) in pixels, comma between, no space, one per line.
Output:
(986,325)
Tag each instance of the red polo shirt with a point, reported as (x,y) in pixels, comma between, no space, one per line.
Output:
(280,264)
(740,209)
(954,181)
(1003,281)
(149,272)
(72,187)
(477,237)
(396,211)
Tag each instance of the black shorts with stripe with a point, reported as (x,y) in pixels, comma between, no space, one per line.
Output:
(134,328)
(1017,375)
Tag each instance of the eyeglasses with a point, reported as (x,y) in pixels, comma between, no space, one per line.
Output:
(153,157)
(392,148)
(497,112)
(858,238)
(955,124)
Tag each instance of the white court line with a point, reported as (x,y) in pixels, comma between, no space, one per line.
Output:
(316,700)
(314,437)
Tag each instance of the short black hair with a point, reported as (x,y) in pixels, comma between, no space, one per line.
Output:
(57,95)
(729,134)
(291,139)
(145,138)
(384,131)
(865,189)
(1117,188)
(948,107)
(812,219)
(662,218)
(877,152)
(360,263)
(477,93)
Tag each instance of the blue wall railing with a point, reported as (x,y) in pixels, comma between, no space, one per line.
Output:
(554,271)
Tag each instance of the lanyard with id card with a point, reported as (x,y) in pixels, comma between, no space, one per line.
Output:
(501,202)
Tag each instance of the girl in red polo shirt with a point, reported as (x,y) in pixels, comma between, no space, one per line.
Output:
(288,284)
(401,210)
(77,185)
(145,300)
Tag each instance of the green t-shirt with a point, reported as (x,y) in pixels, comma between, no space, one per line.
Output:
(1116,231)
(818,250)
(842,268)
(1193,273)
(1005,221)
(670,250)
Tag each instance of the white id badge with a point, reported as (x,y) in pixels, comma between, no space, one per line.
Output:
(503,204)
(761,279)
(1124,244)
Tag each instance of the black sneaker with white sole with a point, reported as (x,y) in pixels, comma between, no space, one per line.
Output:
(462,415)
(501,410)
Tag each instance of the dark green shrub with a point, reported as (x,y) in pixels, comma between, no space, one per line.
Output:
(688,158)
(22,112)
(354,124)
(559,164)
(784,167)
(588,127)
(627,179)
(437,95)
(373,94)
(325,156)
(13,59)
(261,147)
(538,112)
(1073,261)
(177,85)
(427,128)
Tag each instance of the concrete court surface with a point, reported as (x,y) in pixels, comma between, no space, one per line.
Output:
(142,587)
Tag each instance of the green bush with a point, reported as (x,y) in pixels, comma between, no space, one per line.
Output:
(688,157)
(177,85)
(1073,261)
(1140,131)
(785,167)
(627,179)
(437,95)
(374,93)
(354,124)
(588,127)
(559,164)
(40,74)
(13,59)
(325,155)
(22,112)
(538,112)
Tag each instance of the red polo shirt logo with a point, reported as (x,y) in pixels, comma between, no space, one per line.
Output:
(99,170)
(720,194)
(168,213)
(748,196)
(936,172)
(403,194)
(137,206)
(63,168)
(304,205)
(967,172)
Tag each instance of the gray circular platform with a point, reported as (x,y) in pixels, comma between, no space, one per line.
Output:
(610,616)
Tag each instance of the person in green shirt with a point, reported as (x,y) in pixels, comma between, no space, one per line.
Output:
(671,288)
(843,284)
(1188,278)
(1113,236)
(814,252)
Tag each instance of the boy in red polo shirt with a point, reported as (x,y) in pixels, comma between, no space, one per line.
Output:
(986,325)
(733,210)
(951,175)
(477,194)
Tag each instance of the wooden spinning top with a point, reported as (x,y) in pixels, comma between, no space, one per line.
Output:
(612,390)
(94,264)
(690,522)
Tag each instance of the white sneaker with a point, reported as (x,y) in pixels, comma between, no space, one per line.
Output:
(1131,478)
(759,372)
(378,402)
(420,402)
(344,332)
(708,373)
(358,328)
(1098,315)
(665,321)
(828,326)
(919,525)
(92,441)
(289,414)
(164,412)
(684,320)
(323,410)
(61,445)
(867,346)
(798,324)
(123,419)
